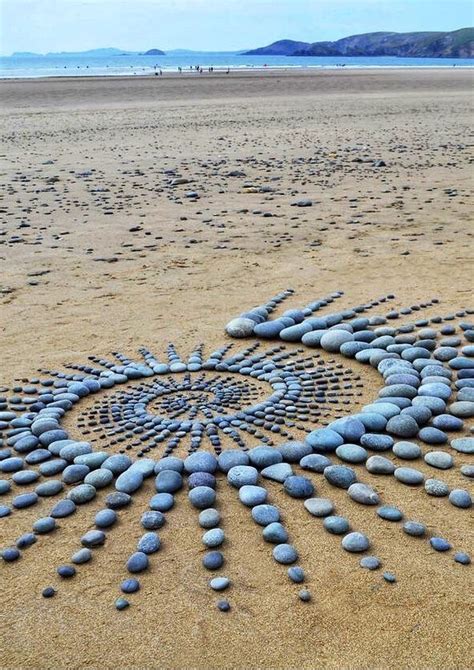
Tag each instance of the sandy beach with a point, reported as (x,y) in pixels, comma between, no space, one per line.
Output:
(100,251)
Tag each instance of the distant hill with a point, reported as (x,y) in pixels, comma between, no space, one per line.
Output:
(153,52)
(456,44)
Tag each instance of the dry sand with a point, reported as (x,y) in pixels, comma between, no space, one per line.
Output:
(118,259)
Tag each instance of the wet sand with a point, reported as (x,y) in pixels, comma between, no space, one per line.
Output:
(100,252)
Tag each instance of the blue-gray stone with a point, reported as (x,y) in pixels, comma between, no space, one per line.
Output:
(337,525)
(349,428)
(74,473)
(84,555)
(209,518)
(202,497)
(296,574)
(219,583)
(370,562)
(275,533)
(409,476)
(51,468)
(10,554)
(105,518)
(200,461)
(232,457)
(460,498)
(372,421)
(432,435)
(12,464)
(293,452)
(402,425)
(82,494)
(351,453)
(118,499)
(117,463)
(25,500)
(200,479)
(315,462)
(169,463)
(464,445)
(376,442)
(298,487)
(379,465)
(49,488)
(23,477)
(44,525)
(278,472)
(213,538)
(340,475)
(138,562)
(355,542)
(406,450)
(324,440)
(319,506)
(149,543)
(129,481)
(285,553)
(440,544)
(462,557)
(26,540)
(213,560)
(437,488)
(414,528)
(390,513)
(439,459)
(363,494)
(168,481)
(252,495)
(332,340)
(99,478)
(447,422)
(241,475)
(71,451)
(265,514)
(262,457)
(130,586)
(161,502)
(462,408)
(152,520)
(93,538)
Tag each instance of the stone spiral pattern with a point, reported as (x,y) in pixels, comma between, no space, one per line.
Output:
(216,401)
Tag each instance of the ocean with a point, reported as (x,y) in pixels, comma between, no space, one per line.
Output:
(79,65)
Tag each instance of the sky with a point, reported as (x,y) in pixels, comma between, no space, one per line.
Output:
(211,25)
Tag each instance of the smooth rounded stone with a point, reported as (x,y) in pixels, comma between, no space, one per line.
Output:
(74,473)
(324,440)
(332,340)
(386,409)
(340,476)
(431,435)
(462,408)
(370,562)
(169,463)
(63,509)
(200,461)
(37,456)
(437,488)
(440,544)
(462,557)
(82,494)
(442,391)
(319,506)
(25,500)
(5,486)
(240,327)
(420,413)
(465,394)
(296,574)
(4,511)
(71,451)
(447,422)
(389,577)
(12,464)
(152,520)
(161,502)
(138,562)
(275,532)
(398,391)
(349,428)
(372,421)
(304,595)
(51,468)
(202,497)
(355,542)
(315,462)
(66,571)
(293,451)
(49,488)
(130,586)
(213,560)
(242,475)
(390,513)
(84,555)
(149,543)
(298,487)
(117,500)
(209,518)
(223,605)
(51,436)
(93,460)
(170,481)
(402,425)
(99,479)
(376,442)
(44,525)
(435,405)
(278,472)
(26,444)
(464,445)
(121,604)
(468,470)
(379,465)
(337,525)
(117,463)
(285,554)
(414,528)
(10,554)
(213,538)
(105,518)
(48,592)
(363,494)
(129,481)
(262,457)
(460,498)
(24,477)
(26,540)
(219,583)
(351,453)
(409,451)
(461,363)
(265,514)
(93,538)
(296,332)
(230,458)
(252,495)
(439,459)
(409,476)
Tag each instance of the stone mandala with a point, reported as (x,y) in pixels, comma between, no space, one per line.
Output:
(285,407)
